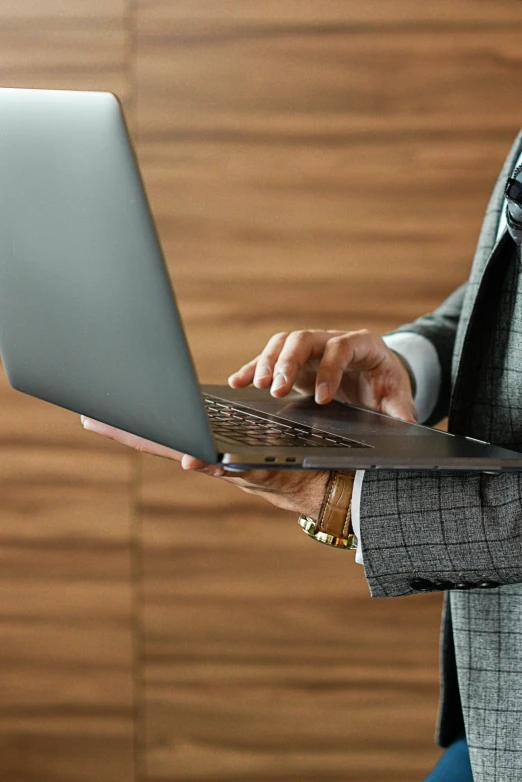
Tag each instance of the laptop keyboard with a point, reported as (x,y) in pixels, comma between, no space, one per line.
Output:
(252,428)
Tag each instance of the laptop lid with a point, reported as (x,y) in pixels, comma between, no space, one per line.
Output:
(77,243)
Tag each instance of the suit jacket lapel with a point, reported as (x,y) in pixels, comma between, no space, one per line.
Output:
(481,328)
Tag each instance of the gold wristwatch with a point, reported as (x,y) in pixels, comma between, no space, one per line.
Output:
(334,525)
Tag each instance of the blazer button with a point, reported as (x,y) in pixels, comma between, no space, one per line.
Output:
(422,584)
(443,585)
(464,585)
(488,584)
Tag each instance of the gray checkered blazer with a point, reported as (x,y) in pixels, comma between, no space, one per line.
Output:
(462,532)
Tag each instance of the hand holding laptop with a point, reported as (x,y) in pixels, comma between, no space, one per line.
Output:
(356,367)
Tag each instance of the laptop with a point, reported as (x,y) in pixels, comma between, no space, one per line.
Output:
(88,318)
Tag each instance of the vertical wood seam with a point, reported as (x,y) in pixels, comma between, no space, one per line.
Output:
(137,583)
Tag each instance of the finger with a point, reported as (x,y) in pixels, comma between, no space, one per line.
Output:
(354,351)
(259,369)
(198,465)
(244,376)
(264,373)
(336,357)
(299,347)
(130,440)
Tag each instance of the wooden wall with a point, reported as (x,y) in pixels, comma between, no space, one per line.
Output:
(311,163)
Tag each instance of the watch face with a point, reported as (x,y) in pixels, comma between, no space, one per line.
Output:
(310,527)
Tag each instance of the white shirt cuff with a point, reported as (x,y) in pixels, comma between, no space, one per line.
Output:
(356,513)
(422,357)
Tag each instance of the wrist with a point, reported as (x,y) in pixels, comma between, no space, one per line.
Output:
(333,524)
(312,493)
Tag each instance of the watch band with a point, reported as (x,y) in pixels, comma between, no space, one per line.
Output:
(334,525)
(335,516)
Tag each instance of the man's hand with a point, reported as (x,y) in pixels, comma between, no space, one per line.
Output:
(301,491)
(352,366)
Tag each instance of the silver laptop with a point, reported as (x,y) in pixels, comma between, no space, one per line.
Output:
(88,320)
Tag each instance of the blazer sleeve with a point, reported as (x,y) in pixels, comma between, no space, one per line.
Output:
(432,531)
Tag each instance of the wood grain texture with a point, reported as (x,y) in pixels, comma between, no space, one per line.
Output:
(66,688)
(323,81)
(56,10)
(318,165)
(466,13)
(54,44)
(265,658)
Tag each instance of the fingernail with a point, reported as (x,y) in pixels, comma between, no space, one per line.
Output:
(82,419)
(92,426)
(279,382)
(321,392)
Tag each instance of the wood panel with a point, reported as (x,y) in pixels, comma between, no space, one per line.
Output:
(67,615)
(58,54)
(63,10)
(310,164)
(265,658)
(67,702)
(66,610)
(465,13)
(355,79)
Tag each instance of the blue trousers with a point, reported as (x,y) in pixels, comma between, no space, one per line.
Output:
(454,765)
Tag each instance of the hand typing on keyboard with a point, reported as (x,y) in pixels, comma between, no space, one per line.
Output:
(352,366)
(356,367)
